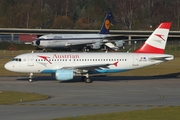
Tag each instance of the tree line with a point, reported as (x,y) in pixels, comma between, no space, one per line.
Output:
(88,14)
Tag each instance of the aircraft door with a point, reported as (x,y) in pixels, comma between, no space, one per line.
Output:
(135,60)
(30,60)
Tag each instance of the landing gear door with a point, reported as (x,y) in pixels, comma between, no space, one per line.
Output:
(30,60)
(135,60)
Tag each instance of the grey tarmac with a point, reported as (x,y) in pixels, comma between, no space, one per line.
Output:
(75,98)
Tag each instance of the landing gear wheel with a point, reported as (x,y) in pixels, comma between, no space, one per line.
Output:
(30,80)
(30,77)
(87,80)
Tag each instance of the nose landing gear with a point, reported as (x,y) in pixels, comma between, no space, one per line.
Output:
(30,77)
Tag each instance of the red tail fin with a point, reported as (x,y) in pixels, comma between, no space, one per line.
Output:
(157,41)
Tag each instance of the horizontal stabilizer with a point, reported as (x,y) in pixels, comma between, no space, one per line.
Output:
(167,58)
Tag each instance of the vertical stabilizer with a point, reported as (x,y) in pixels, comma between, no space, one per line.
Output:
(106,24)
(157,41)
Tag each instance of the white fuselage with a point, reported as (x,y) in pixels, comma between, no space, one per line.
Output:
(116,62)
(68,40)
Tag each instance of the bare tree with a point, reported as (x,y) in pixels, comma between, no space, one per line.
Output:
(175,9)
(128,12)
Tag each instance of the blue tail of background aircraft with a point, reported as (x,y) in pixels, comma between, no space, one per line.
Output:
(106,24)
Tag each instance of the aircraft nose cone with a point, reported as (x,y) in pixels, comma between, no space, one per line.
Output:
(10,67)
(7,66)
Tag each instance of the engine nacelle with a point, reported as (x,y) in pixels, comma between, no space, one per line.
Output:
(64,75)
(95,46)
(119,43)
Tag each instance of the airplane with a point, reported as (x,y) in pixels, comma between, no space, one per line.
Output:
(66,65)
(76,41)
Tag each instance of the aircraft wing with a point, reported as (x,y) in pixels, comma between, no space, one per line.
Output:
(119,43)
(90,67)
(126,40)
(106,38)
(107,41)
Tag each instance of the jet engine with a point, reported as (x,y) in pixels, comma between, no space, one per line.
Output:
(96,45)
(119,43)
(63,75)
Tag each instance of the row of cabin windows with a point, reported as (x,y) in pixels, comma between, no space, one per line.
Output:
(82,60)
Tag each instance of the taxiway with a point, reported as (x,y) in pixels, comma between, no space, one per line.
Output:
(76,98)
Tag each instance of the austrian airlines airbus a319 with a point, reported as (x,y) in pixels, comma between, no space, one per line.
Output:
(67,65)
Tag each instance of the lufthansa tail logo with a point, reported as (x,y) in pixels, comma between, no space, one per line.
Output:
(107,24)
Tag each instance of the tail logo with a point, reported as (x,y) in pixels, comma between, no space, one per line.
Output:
(160,36)
(107,24)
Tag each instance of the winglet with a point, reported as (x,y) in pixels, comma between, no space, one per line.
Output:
(157,41)
(106,24)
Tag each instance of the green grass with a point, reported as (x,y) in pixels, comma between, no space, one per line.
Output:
(167,113)
(10,97)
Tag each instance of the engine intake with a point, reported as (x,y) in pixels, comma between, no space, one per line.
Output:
(96,45)
(63,75)
(119,43)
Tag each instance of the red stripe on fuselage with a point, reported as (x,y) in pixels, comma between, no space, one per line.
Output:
(145,48)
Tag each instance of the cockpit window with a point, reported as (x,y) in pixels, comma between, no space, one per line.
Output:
(16,59)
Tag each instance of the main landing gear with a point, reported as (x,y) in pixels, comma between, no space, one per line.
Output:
(30,77)
(86,79)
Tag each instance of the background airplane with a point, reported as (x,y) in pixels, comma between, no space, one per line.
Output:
(81,41)
(67,65)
